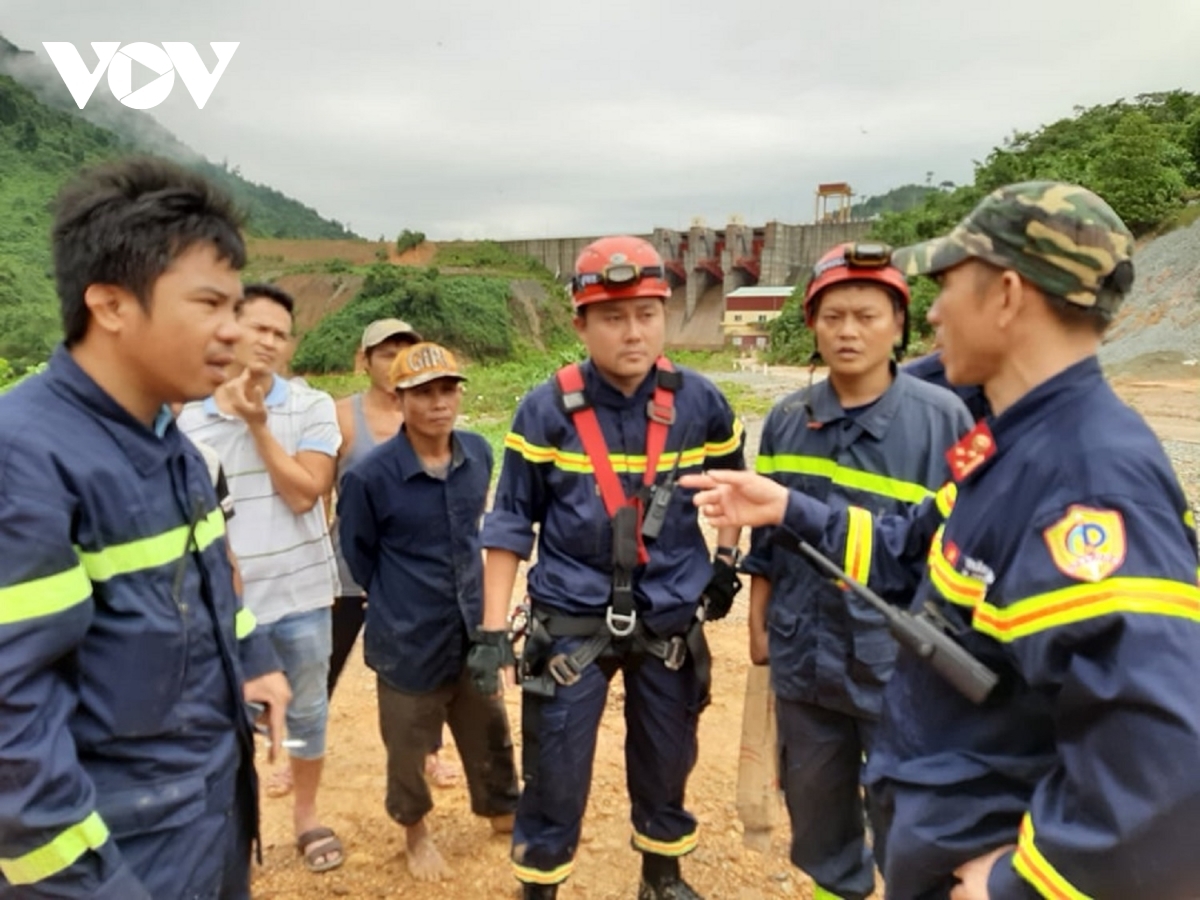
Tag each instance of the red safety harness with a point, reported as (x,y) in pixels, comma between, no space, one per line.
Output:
(660,411)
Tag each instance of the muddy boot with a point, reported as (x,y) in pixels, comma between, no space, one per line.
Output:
(661,880)
(540,892)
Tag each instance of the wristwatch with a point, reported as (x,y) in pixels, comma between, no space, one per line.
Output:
(733,553)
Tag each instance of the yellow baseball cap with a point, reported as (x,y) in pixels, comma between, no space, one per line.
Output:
(422,363)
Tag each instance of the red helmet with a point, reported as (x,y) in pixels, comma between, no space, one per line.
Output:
(855,262)
(618,268)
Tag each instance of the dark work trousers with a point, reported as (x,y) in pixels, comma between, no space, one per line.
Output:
(821,757)
(933,829)
(349,612)
(410,723)
(662,709)
(205,858)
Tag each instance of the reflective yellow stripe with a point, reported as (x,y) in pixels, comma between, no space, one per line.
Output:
(44,596)
(819,893)
(150,552)
(860,536)
(536,876)
(1080,602)
(724,448)
(579,463)
(1189,519)
(946,496)
(50,859)
(1036,869)
(244,623)
(820,467)
(952,584)
(681,847)
(532,452)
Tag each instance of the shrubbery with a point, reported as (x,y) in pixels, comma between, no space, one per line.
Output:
(467,313)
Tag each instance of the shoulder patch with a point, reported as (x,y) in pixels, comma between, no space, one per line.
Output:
(1087,544)
(976,447)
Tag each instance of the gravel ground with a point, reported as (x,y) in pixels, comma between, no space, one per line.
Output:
(1162,315)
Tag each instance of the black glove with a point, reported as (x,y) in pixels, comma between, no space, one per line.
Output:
(721,589)
(490,652)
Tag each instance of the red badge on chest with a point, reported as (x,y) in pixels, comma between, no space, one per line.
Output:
(976,447)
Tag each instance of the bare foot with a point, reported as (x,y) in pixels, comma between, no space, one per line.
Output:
(425,863)
(441,773)
(503,824)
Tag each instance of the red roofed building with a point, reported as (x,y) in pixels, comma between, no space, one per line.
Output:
(748,311)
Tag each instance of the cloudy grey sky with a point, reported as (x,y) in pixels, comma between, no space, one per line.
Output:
(496,118)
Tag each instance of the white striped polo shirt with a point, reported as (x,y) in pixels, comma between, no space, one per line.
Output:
(287,560)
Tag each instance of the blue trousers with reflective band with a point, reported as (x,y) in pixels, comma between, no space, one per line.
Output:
(662,709)
(196,847)
(207,859)
(821,756)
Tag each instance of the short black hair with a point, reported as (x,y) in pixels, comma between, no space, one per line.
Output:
(1076,317)
(261,290)
(125,222)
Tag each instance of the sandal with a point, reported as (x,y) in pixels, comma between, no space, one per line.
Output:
(320,843)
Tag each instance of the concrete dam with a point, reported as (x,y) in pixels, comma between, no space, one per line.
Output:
(705,264)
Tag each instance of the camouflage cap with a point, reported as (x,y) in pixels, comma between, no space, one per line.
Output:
(1060,237)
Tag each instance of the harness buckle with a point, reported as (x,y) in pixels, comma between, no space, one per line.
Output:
(676,653)
(661,413)
(562,669)
(620,625)
(574,401)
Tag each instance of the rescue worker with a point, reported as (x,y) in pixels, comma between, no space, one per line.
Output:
(623,578)
(125,658)
(1063,556)
(868,437)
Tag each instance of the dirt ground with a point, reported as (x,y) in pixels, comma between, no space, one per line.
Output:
(606,867)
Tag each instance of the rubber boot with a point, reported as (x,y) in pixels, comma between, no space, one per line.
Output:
(661,880)
(540,892)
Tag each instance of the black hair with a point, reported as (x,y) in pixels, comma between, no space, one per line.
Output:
(124,223)
(1070,315)
(1076,317)
(261,290)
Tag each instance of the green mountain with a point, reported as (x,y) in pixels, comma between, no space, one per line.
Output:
(898,199)
(44,140)
(1142,156)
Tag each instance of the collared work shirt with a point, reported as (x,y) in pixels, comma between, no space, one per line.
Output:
(286,559)
(413,540)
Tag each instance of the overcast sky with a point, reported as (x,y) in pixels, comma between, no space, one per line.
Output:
(493,118)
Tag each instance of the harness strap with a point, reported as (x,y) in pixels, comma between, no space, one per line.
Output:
(660,412)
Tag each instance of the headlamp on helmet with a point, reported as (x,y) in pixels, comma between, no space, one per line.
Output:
(618,268)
